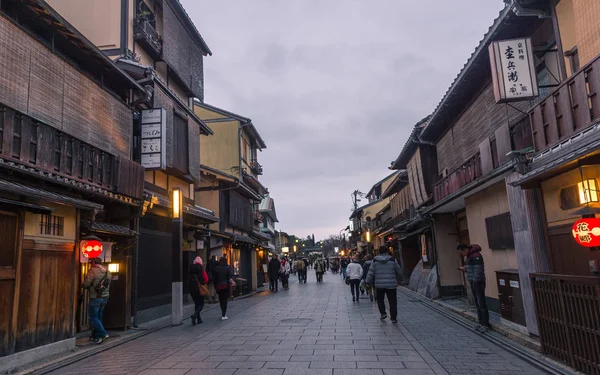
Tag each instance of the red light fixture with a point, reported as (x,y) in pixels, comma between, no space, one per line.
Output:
(91,247)
(586,232)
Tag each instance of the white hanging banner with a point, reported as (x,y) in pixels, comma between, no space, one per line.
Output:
(513,70)
(154,131)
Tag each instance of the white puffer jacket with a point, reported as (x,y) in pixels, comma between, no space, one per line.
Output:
(354,271)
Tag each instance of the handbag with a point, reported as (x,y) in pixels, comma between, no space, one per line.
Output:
(347,280)
(202,288)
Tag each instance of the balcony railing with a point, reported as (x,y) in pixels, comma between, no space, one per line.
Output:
(39,147)
(567,312)
(466,173)
(145,34)
(573,106)
(256,168)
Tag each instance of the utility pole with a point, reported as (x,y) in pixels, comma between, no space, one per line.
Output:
(356,195)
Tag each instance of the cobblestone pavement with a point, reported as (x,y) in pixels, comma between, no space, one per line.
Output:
(311,329)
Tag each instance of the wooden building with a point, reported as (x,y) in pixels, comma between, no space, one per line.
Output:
(66,144)
(230,161)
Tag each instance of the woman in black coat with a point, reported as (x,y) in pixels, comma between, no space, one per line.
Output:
(221,276)
(273,271)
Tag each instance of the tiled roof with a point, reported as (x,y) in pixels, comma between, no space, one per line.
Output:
(46,195)
(100,227)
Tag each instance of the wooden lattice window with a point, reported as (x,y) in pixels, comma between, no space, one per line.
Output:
(51,225)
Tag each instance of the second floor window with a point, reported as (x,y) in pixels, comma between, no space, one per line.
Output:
(57,151)
(33,141)
(17,130)
(51,225)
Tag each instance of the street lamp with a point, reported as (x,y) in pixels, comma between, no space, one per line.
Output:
(177,253)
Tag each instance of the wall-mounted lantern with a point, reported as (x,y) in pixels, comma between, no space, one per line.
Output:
(113,267)
(91,247)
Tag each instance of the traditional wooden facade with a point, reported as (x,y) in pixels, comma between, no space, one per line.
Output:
(156,43)
(66,130)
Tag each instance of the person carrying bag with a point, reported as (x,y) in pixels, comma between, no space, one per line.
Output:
(198,282)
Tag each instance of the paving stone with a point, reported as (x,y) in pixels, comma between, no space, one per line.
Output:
(332,365)
(164,372)
(242,365)
(217,371)
(310,358)
(287,365)
(189,365)
(259,372)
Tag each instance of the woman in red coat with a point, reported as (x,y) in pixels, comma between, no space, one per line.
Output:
(197,276)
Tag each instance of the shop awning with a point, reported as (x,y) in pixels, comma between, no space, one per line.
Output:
(563,156)
(46,195)
(261,236)
(213,233)
(244,239)
(35,208)
(107,228)
(200,212)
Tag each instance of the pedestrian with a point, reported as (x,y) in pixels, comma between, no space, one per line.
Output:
(97,281)
(327,264)
(306,264)
(355,273)
(197,276)
(344,263)
(385,274)
(212,264)
(273,270)
(222,277)
(300,268)
(475,269)
(285,273)
(319,269)
(366,266)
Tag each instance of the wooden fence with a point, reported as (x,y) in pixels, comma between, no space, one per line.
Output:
(568,313)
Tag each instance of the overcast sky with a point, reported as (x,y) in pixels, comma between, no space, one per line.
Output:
(334,87)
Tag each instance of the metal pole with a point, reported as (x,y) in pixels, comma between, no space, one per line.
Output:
(177,253)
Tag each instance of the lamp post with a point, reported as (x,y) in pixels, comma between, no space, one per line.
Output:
(177,253)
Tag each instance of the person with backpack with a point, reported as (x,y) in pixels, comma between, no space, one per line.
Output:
(300,267)
(198,280)
(97,282)
(475,270)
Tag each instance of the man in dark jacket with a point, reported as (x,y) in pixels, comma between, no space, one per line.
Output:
(273,270)
(97,281)
(475,269)
(385,274)
(366,267)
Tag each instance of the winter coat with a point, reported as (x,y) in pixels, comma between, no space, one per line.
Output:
(212,264)
(300,265)
(354,271)
(93,279)
(474,266)
(345,262)
(221,276)
(273,268)
(384,272)
(319,266)
(366,267)
(197,275)
(285,268)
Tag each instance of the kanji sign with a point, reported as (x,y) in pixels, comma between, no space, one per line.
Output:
(587,232)
(153,137)
(513,70)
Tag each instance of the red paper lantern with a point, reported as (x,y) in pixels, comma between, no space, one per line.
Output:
(587,232)
(91,248)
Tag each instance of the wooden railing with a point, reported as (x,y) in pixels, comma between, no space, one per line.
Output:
(461,176)
(573,106)
(39,146)
(568,314)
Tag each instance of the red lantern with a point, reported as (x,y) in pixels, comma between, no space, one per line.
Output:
(91,248)
(587,232)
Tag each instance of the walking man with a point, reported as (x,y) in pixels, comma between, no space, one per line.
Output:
(97,281)
(385,274)
(273,270)
(210,267)
(475,269)
(344,263)
(319,269)
(301,267)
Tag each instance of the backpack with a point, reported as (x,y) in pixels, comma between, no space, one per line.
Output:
(103,284)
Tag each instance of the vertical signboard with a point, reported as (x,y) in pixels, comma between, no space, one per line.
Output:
(513,70)
(154,129)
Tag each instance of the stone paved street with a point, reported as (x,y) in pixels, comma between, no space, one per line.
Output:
(312,329)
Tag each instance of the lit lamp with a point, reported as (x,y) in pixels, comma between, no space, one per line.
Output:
(113,267)
(588,192)
(294,248)
(368,236)
(177,254)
